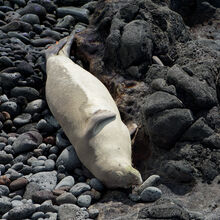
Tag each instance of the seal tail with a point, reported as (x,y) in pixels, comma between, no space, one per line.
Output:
(65,51)
(54,49)
(61,48)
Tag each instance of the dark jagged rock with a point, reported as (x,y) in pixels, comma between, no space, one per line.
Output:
(160,101)
(166,127)
(180,171)
(195,11)
(194,93)
(164,210)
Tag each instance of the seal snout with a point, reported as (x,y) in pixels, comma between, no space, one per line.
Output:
(124,178)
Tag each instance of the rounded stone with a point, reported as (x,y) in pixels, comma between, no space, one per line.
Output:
(35,106)
(19,183)
(66,181)
(46,180)
(34,8)
(69,159)
(31,19)
(5,205)
(49,164)
(42,196)
(29,93)
(21,212)
(150,194)
(84,201)
(22,119)
(79,188)
(93,213)
(27,141)
(66,198)
(4,190)
(96,184)
(10,107)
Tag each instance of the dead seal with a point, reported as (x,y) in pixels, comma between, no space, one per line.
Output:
(90,118)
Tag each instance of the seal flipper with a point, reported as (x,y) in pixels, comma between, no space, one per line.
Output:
(66,49)
(54,49)
(98,121)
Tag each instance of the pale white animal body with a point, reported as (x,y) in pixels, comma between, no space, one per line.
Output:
(90,119)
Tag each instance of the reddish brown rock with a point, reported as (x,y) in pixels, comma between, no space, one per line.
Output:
(61,190)
(6,115)
(18,184)
(93,193)
(43,195)
(4,180)
(49,140)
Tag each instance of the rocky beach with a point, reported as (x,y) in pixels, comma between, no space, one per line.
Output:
(160,60)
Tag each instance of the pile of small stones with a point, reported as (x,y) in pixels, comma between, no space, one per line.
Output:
(41,176)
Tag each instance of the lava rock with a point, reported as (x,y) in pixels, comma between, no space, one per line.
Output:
(5,205)
(21,212)
(198,131)
(212,141)
(160,101)
(43,195)
(166,127)
(70,211)
(11,16)
(136,43)
(27,141)
(46,180)
(30,190)
(194,93)
(180,171)
(164,210)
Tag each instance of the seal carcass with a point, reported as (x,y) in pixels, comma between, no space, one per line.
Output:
(90,118)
